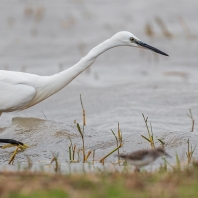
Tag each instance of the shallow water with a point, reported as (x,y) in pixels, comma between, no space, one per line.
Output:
(121,85)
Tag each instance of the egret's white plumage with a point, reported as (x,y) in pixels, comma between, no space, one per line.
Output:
(22,90)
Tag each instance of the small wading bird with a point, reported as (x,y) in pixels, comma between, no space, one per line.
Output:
(20,90)
(143,157)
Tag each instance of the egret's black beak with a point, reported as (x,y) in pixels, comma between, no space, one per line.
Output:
(144,45)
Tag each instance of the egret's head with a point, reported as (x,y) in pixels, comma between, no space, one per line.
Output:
(127,39)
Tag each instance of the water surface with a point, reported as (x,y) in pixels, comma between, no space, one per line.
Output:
(45,37)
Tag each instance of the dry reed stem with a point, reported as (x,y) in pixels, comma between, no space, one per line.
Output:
(44,115)
(55,159)
(70,155)
(30,163)
(79,129)
(93,156)
(78,153)
(193,121)
(168,163)
(119,133)
(150,133)
(83,142)
(102,160)
(149,30)
(178,164)
(74,150)
(71,150)
(163,27)
(163,143)
(88,154)
(190,151)
(83,110)
(118,140)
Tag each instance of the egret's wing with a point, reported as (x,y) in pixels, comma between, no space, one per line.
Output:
(15,96)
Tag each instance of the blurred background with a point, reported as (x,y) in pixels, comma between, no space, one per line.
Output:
(46,37)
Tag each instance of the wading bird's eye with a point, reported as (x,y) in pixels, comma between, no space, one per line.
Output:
(132,39)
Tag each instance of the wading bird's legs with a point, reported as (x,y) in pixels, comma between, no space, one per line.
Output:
(11,143)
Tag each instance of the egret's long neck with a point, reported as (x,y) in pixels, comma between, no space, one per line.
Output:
(65,77)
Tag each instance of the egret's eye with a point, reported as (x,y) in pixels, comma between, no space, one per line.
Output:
(132,39)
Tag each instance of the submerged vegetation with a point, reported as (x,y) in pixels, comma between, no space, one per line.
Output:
(120,181)
(79,154)
(81,130)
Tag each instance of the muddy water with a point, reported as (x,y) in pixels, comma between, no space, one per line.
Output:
(47,37)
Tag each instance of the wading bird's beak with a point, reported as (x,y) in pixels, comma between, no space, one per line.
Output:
(144,45)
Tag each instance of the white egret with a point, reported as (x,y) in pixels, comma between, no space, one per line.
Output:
(20,90)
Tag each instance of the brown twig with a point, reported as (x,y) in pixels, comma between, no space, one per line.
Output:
(193,121)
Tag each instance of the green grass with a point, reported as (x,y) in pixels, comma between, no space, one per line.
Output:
(175,184)
(41,193)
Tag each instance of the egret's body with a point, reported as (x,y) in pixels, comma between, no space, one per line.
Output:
(20,90)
